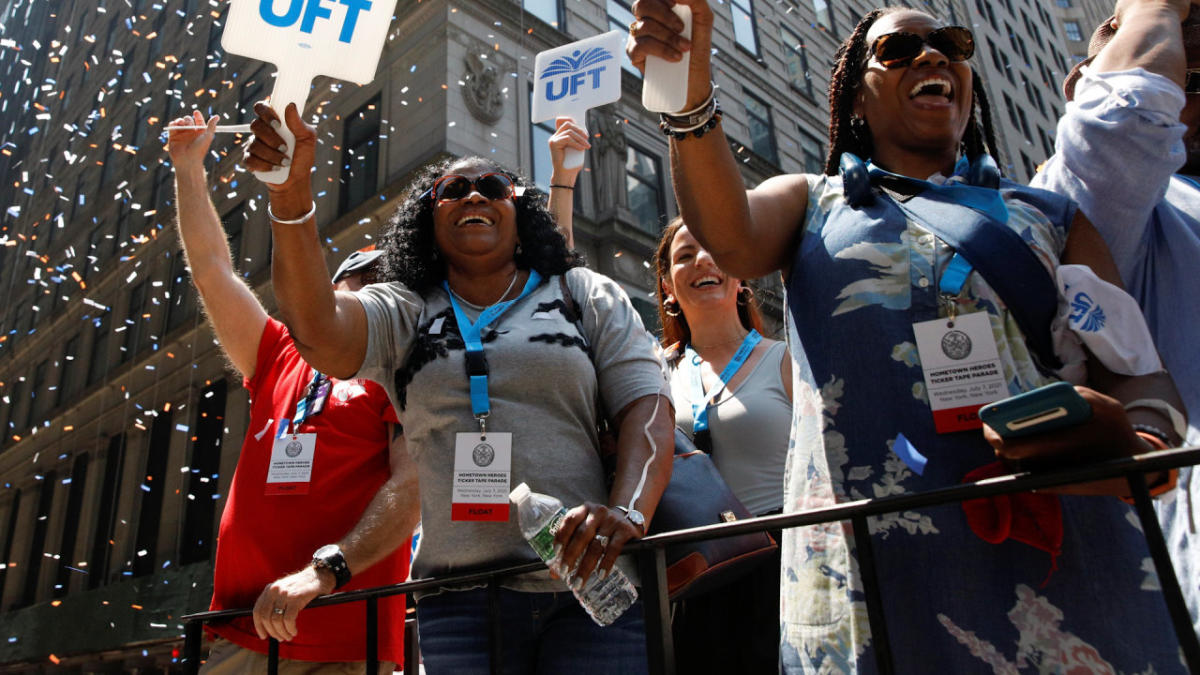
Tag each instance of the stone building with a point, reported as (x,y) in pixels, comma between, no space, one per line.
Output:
(121,423)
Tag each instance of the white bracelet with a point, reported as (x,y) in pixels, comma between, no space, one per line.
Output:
(302,219)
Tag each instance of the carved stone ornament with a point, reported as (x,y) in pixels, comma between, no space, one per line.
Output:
(481,87)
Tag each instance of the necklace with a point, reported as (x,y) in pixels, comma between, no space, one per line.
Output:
(503,295)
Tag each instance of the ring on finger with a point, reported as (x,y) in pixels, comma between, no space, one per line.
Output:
(602,540)
(278,610)
(633,26)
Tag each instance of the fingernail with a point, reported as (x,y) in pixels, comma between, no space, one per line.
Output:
(285,162)
(276,125)
(282,147)
(603,574)
(577,583)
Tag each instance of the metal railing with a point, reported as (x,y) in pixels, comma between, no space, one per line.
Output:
(652,560)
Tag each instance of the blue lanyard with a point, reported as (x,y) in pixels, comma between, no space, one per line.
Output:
(984,200)
(310,394)
(477,368)
(700,400)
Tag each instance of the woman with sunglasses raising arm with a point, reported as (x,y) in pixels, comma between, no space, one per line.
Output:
(886,317)
(498,382)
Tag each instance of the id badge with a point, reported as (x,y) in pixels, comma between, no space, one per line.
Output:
(482,467)
(291,464)
(962,369)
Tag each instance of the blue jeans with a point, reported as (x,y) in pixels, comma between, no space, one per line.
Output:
(544,633)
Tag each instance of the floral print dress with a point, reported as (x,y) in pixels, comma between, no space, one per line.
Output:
(953,603)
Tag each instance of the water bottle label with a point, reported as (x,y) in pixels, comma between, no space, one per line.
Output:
(543,541)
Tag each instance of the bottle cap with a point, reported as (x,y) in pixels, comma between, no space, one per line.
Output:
(519,494)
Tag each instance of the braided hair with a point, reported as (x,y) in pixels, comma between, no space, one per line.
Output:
(410,253)
(850,63)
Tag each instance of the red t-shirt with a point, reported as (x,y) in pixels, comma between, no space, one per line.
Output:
(264,537)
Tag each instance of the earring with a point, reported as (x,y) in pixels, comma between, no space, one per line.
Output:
(671,308)
(744,299)
(517,252)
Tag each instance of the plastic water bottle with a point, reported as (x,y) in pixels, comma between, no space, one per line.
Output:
(540,517)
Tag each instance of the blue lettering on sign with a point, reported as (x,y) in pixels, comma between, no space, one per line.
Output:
(313,10)
(575,70)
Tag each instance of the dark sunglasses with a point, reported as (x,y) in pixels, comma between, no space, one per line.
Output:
(898,49)
(1191,83)
(453,187)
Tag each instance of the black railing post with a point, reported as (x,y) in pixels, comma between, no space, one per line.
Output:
(1172,594)
(193,636)
(373,635)
(412,652)
(660,650)
(865,553)
(495,648)
(272,656)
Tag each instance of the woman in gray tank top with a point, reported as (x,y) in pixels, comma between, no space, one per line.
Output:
(732,392)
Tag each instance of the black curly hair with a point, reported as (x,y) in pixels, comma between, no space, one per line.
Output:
(850,63)
(410,255)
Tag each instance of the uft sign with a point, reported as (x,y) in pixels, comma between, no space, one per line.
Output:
(571,79)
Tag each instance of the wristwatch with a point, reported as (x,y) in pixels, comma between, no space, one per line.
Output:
(635,517)
(330,557)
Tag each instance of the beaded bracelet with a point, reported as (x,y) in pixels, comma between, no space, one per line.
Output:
(304,218)
(698,130)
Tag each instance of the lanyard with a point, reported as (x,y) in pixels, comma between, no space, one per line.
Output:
(987,201)
(700,400)
(477,368)
(311,393)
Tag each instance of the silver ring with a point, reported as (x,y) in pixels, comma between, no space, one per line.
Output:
(278,610)
(602,540)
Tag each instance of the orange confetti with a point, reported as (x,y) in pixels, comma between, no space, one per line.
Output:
(56,603)
(54,659)
(137,607)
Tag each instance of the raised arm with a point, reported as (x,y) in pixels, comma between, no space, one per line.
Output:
(387,522)
(567,135)
(1122,123)
(236,315)
(1148,35)
(329,329)
(748,238)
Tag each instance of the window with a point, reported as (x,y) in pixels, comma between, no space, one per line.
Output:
(106,513)
(619,18)
(743,25)
(796,58)
(1030,167)
(360,155)
(539,138)
(1047,143)
(205,466)
(70,530)
(643,187)
(14,510)
(1024,124)
(1032,94)
(1012,112)
(1065,4)
(98,365)
(45,392)
(1072,29)
(152,495)
(37,545)
(71,382)
(546,10)
(762,130)
(181,301)
(824,14)
(813,152)
(134,323)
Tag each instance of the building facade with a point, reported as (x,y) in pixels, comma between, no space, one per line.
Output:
(121,420)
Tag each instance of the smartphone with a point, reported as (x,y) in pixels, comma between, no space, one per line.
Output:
(1047,408)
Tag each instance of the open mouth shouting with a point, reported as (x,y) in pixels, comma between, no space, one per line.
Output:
(474,220)
(933,89)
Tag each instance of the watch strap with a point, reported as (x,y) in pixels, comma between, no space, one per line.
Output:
(334,562)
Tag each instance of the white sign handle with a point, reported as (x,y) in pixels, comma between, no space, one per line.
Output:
(572,158)
(291,86)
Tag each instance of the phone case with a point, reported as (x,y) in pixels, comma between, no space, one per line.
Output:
(1044,409)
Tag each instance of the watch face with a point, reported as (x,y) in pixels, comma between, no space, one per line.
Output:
(326,551)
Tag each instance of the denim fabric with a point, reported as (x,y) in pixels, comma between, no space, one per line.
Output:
(545,633)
